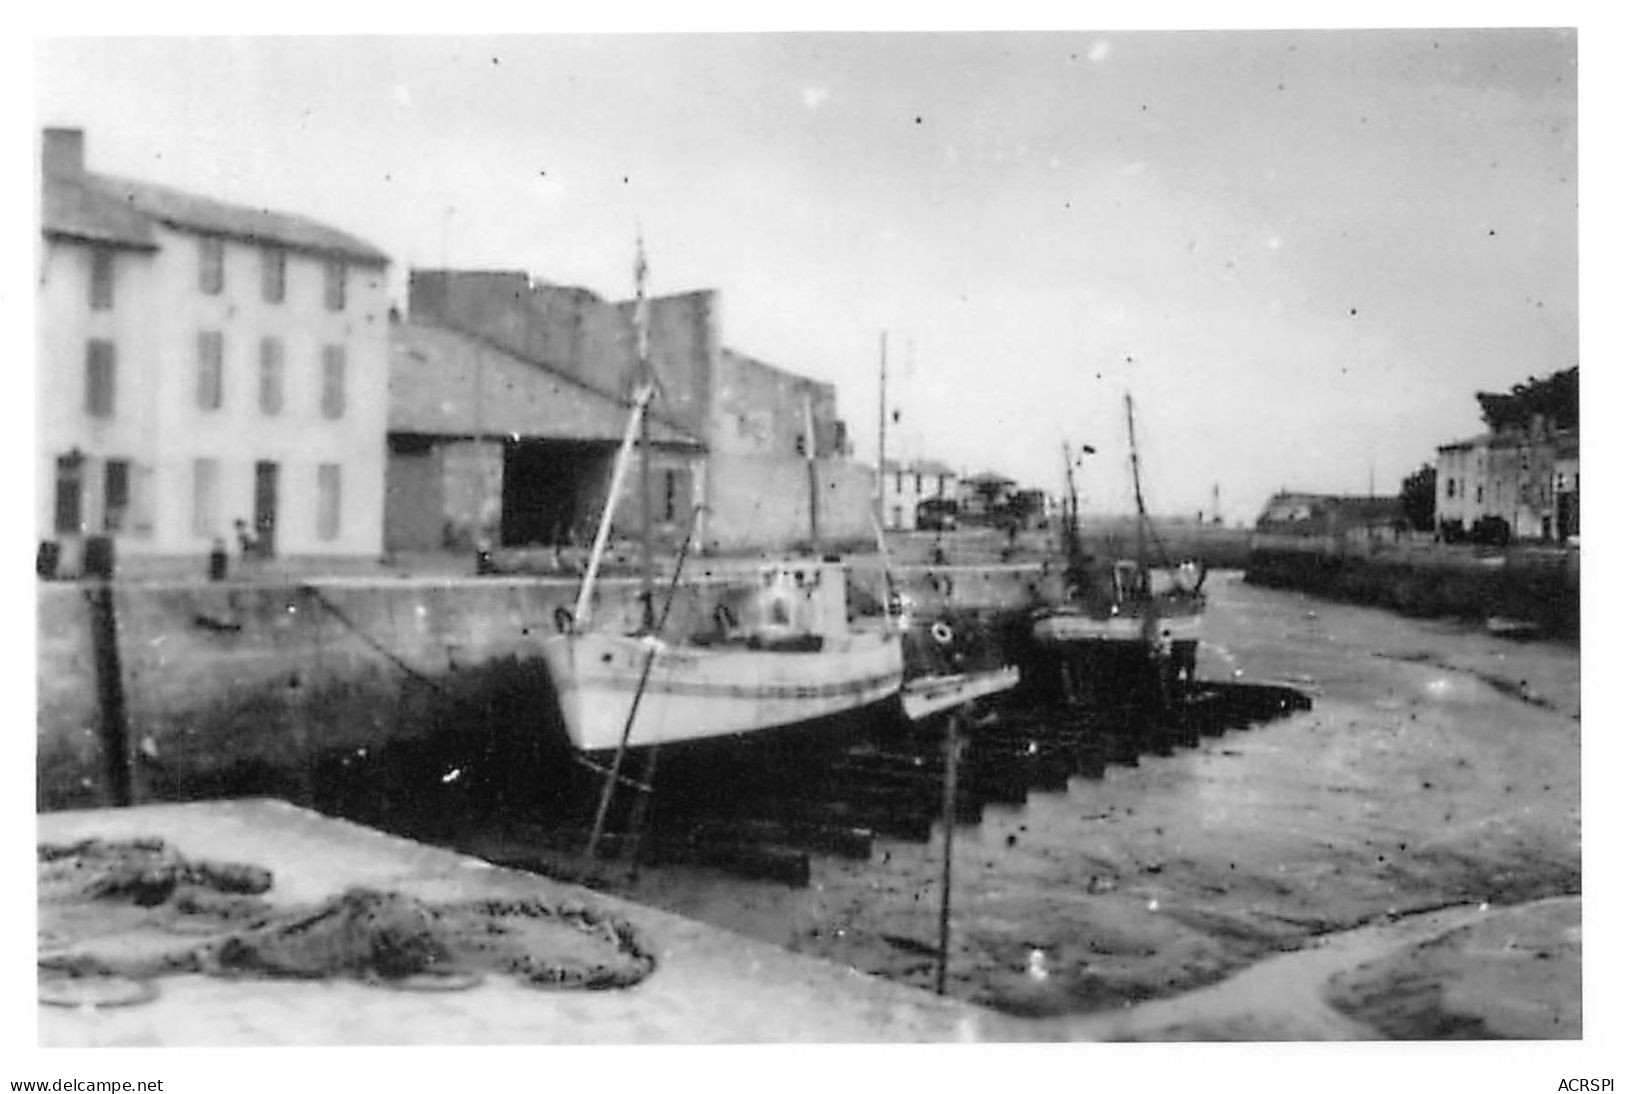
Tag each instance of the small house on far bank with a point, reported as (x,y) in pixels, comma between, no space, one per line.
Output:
(984,497)
(1326,523)
(908,484)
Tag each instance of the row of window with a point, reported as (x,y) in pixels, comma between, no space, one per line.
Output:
(919,481)
(273,273)
(118,494)
(1542,490)
(101,376)
(119,500)
(1450,490)
(207,519)
(212,275)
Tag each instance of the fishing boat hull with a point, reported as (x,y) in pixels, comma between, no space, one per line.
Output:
(1063,628)
(700,692)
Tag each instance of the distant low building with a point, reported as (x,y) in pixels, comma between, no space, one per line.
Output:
(984,497)
(200,364)
(1329,523)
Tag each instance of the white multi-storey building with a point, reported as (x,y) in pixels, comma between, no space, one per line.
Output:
(201,364)
(1528,477)
(908,484)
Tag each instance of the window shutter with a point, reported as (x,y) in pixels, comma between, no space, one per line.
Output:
(333,369)
(141,499)
(100,383)
(328,500)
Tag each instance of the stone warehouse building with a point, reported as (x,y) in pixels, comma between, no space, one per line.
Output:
(201,363)
(732,431)
(486,446)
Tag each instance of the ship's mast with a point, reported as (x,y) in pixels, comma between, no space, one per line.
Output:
(880,460)
(1070,521)
(1139,497)
(640,319)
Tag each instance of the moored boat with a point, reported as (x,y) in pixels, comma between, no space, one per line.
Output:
(1124,605)
(798,661)
(1124,609)
(797,658)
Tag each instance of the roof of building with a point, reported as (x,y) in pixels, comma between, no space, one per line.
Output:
(988,478)
(71,209)
(1357,508)
(1564,439)
(921,467)
(192,212)
(525,398)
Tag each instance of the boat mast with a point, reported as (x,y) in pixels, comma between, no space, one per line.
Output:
(880,464)
(1069,523)
(1139,498)
(640,321)
(640,402)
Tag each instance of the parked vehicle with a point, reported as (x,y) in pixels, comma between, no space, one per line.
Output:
(937,515)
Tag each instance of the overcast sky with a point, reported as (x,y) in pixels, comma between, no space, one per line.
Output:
(1301,251)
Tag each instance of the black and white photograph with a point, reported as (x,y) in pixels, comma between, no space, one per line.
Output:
(722,535)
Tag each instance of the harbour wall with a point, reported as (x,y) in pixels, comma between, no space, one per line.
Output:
(1539,587)
(319,689)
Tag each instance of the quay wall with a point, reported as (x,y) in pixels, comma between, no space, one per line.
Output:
(1539,587)
(302,689)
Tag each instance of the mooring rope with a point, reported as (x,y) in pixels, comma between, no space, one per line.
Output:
(396,659)
(392,939)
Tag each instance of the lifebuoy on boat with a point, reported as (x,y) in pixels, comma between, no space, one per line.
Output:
(942,634)
(563,619)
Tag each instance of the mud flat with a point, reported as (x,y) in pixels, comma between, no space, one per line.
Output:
(1438,773)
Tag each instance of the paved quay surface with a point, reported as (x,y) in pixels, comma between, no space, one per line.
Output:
(710,986)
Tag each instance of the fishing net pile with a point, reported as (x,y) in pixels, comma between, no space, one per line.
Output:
(115,915)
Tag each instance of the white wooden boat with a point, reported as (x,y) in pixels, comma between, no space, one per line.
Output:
(794,659)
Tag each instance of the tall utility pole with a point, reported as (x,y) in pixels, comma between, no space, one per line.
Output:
(880,461)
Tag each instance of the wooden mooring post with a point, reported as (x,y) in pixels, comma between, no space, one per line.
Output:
(115,726)
(950,792)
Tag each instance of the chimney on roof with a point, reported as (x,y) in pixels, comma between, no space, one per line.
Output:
(63,153)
